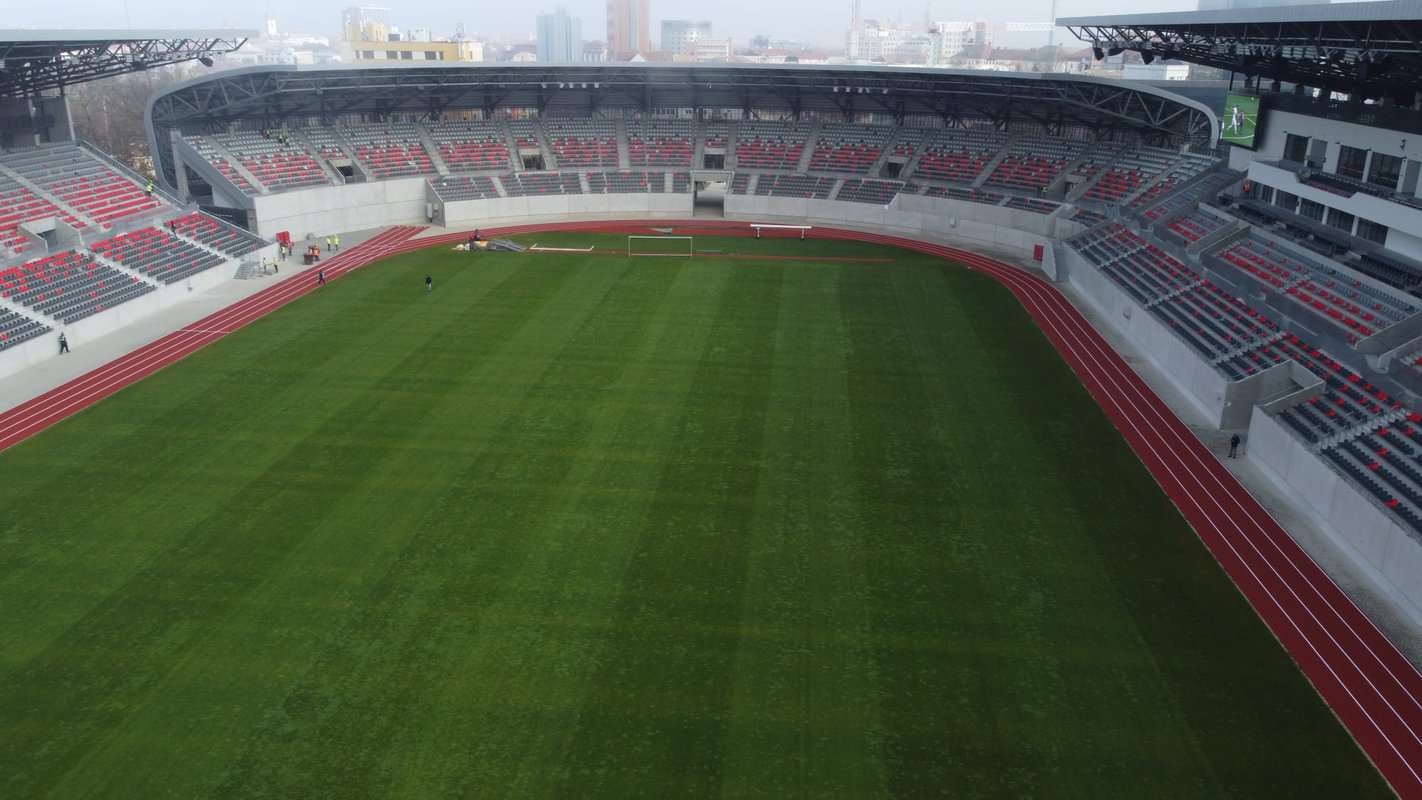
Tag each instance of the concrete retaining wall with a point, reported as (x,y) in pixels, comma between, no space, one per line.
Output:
(323,210)
(1371,536)
(523,210)
(963,224)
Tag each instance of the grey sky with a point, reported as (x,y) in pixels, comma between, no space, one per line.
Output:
(808,20)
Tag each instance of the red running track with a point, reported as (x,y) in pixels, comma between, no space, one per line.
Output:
(1372,688)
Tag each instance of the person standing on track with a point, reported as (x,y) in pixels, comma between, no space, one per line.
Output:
(63,343)
(1233,445)
(320,277)
(429,283)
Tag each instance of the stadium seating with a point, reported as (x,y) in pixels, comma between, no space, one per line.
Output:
(83,182)
(1183,170)
(1357,309)
(525,133)
(856,190)
(1088,217)
(717,135)
(219,162)
(325,141)
(626,182)
(807,186)
(1196,225)
(157,254)
(770,145)
(960,193)
(1032,204)
(16,329)
(957,155)
(1156,205)
(533,184)
(465,187)
(277,164)
(227,239)
(848,148)
(390,151)
(19,205)
(69,286)
(907,142)
(681,182)
(740,183)
(471,146)
(1132,170)
(1221,327)
(660,143)
(582,142)
(1033,164)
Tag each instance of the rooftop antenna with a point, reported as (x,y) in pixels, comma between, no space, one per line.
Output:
(1052,28)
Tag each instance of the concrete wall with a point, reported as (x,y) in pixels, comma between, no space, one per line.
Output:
(1206,389)
(969,225)
(1367,533)
(98,325)
(519,210)
(324,210)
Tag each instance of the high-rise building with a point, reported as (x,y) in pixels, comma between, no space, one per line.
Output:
(681,35)
(364,24)
(560,38)
(628,28)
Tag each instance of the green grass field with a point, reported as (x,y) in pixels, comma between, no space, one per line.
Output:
(598,526)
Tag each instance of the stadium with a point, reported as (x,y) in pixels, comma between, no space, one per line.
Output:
(718,429)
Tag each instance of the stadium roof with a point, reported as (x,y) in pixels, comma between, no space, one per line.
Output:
(1371,48)
(33,61)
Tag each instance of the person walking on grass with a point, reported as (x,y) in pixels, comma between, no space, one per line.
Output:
(429,283)
(1233,445)
(63,343)
(320,277)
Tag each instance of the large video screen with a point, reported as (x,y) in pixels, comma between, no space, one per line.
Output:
(1240,120)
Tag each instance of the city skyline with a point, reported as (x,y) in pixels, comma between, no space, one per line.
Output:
(813,23)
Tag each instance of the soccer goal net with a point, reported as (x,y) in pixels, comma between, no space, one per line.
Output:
(660,246)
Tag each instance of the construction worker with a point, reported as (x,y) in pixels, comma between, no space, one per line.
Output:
(149,187)
(337,241)
(63,343)
(329,240)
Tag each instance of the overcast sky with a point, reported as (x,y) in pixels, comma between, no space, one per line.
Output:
(815,21)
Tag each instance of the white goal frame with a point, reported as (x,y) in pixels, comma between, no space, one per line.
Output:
(690,246)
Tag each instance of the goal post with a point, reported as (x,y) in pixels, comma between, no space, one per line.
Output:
(661,246)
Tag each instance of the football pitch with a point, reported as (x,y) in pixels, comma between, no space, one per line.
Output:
(839,525)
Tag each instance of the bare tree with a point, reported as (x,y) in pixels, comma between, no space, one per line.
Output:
(109,112)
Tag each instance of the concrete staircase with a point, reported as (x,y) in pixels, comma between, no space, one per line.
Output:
(807,154)
(236,162)
(624,157)
(510,141)
(698,150)
(436,159)
(991,166)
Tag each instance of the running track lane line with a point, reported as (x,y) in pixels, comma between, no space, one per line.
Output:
(1359,672)
(1352,664)
(38,413)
